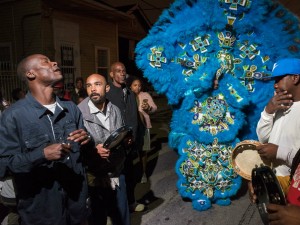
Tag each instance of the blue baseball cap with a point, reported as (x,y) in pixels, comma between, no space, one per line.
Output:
(286,66)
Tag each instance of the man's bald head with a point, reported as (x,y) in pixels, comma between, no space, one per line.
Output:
(115,64)
(40,74)
(25,65)
(118,74)
(40,69)
(95,75)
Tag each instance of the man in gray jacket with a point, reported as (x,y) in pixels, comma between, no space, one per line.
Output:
(107,187)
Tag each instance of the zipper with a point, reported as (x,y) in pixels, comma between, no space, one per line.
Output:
(51,127)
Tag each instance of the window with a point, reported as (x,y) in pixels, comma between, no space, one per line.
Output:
(5,58)
(8,76)
(102,61)
(67,64)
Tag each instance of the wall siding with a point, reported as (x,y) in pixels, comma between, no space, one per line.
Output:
(92,33)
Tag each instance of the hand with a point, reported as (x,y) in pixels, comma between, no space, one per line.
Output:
(79,136)
(280,101)
(283,214)
(252,195)
(56,151)
(145,106)
(103,152)
(128,141)
(267,151)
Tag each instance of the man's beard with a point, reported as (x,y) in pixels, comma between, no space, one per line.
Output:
(97,101)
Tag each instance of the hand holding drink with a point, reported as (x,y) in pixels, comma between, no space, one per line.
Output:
(145,105)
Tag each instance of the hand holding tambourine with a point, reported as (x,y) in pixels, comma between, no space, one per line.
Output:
(245,158)
(120,136)
(247,163)
(103,152)
(267,151)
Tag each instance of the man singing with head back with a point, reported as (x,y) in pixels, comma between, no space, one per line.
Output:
(40,142)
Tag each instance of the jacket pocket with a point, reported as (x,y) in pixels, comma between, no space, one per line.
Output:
(70,126)
(35,137)
(36,141)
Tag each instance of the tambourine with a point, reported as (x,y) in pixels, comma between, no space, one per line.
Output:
(117,151)
(245,158)
(116,137)
(267,189)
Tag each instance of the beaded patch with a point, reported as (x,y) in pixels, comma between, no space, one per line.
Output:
(212,115)
(206,169)
(156,57)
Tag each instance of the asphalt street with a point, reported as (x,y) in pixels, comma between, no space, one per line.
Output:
(164,205)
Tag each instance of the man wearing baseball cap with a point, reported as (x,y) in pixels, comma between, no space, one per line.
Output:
(279,132)
(279,126)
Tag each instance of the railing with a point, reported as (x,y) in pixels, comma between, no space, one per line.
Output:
(9,81)
(67,64)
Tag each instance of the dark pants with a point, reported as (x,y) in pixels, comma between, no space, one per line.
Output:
(11,209)
(3,212)
(107,202)
(129,173)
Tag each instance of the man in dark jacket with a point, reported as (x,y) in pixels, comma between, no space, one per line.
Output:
(125,99)
(40,142)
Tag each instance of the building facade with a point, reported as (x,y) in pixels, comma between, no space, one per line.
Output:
(81,35)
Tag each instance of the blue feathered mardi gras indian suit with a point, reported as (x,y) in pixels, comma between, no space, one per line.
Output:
(211,59)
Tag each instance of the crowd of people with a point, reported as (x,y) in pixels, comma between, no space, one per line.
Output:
(52,147)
